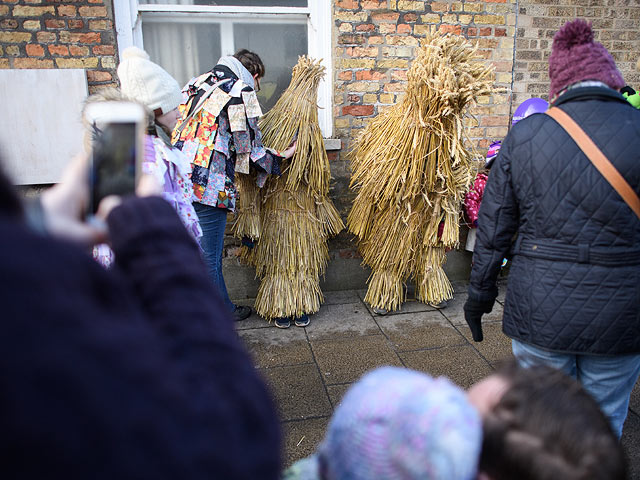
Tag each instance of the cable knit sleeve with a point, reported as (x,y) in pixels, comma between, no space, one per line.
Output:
(164,266)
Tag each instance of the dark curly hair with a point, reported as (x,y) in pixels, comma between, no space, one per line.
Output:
(546,426)
(251,62)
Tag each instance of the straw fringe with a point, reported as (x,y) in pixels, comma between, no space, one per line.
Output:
(411,170)
(296,216)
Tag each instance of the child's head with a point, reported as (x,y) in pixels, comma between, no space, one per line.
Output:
(529,107)
(403,425)
(540,424)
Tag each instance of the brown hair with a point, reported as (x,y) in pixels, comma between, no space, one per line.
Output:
(251,62)
(546,426)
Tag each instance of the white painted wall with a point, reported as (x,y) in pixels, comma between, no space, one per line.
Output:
(40,125)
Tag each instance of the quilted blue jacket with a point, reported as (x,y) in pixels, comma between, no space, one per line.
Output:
(574,282)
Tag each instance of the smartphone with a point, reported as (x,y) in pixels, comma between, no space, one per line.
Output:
(117,147)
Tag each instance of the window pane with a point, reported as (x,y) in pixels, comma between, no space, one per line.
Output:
(233,3)
(182,49)
(279,46)
(186,47)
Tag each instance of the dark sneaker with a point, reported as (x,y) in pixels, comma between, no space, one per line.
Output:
(439,306)
(302,321)
(241,313)
(282,322)
(379,311)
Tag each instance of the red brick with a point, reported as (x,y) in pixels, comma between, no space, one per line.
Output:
(9,1)
(385,17)
(98,76)
(78,51)
(404,28)
(59,50)
(347,75)
(353,98)
(369,75)
(472,32)
(365,27)
(104,50)
(456,29)
(32,63)
(67,10)
(410,17)
(484,32)
(35,50)
(66,37)
(347,4)
(500,32)
(358,110)
(76,24)
(53,23)
(359,52)
(332,156)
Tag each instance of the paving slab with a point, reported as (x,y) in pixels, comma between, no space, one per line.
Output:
(634,403)
(274,347)
(420,330)
(411,305)
(344,296)
(631,443)
(347,359)
(462,365)
(254,320)
(341,320)
(298,391)
(495,347)
(336,392)
(302,437)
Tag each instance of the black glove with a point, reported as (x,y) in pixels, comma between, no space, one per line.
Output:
(473,311)
(247,242)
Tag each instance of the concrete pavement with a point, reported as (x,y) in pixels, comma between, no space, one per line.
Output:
(309,369)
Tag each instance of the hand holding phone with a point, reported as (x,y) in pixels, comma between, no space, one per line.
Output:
(117,149)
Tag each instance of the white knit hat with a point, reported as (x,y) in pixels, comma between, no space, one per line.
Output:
(147,82)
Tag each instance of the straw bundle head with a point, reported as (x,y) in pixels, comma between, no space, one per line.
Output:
(295,117)
(411,169)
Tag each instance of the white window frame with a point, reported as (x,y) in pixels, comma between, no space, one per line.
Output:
(128,22)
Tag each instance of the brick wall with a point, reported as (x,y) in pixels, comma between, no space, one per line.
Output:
(374,43)
(376,40)
(56,34)
(616,26)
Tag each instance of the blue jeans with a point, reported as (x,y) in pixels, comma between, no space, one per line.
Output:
(213,222)
(608,378)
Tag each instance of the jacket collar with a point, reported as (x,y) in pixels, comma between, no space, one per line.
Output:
(589,93)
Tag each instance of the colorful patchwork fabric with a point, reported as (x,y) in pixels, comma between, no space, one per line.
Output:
(222,138)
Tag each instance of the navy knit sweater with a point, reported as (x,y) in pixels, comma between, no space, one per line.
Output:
(133,373)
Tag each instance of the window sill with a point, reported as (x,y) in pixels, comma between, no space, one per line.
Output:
(331,144)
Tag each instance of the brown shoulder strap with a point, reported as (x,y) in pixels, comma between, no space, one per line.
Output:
(593,153)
